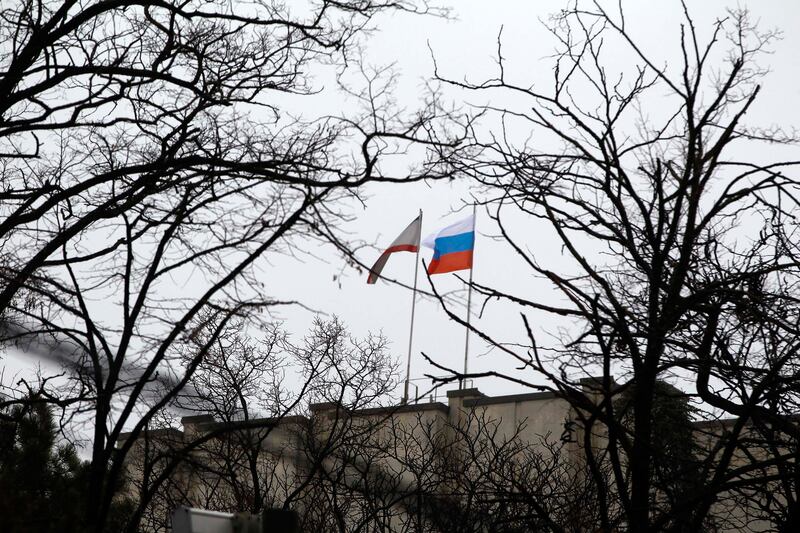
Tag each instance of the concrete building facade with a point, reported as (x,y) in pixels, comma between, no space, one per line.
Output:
(471,464)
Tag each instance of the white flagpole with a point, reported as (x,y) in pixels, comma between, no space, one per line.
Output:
(462,382)
(413,307)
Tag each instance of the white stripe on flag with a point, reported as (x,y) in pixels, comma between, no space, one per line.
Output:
(462,226)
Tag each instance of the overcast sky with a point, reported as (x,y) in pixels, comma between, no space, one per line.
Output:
(464,45)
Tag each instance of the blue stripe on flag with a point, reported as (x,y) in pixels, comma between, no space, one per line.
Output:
(453,243)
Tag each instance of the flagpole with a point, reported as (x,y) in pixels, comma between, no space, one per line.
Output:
(413,308)
(462,382)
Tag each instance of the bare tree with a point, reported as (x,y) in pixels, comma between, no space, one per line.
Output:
(247,453)
(149,162)
(681,258)
(468,471)
(421,468)
(238,386)
(352,462)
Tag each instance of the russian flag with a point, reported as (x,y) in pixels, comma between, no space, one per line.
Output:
(452,247)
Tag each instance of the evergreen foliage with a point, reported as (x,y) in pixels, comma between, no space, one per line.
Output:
(42,480)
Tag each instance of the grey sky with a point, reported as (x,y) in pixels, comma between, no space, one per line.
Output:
(465,46)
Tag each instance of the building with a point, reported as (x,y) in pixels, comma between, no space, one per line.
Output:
(475,463)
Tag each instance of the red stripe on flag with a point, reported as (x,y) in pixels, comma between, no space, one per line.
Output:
(402,248)
(377,268)
(451,262)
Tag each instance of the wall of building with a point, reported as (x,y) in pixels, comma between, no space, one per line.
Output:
(401,455)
